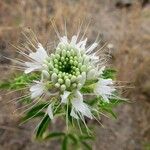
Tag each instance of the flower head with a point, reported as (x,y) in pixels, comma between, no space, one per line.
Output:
(73,71)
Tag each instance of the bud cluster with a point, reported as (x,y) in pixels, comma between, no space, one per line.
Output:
(68,68)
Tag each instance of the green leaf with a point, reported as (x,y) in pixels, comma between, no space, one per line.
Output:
(87,146)
(108,107)
(89,82)
(86,89)
(19,81)
(65,143)
(86,137)
(42,127)
(54,135)
(35,112)
(73,138)
(109,73)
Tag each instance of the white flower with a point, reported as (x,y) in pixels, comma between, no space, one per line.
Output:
(38,58)
(104,88)
(79,108)
(95,72)
(80,46)
(37,90)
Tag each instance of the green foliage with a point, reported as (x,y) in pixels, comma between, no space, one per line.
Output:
(65,143)
(42,127)
(54,135)
(109,73)
(19,82)
(36,111)
(108,107)
(72,138)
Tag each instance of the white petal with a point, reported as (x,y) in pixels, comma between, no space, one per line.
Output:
(93,73)
(101,70)
(105,98)
(92,47)
(80,106)
(50,112)
(73,114)
(45,74)
(64,97)
(81,44)
(106,81)
(73,40)
(104,88)
(40,55)
(64,40)
(36,90)
(32,67)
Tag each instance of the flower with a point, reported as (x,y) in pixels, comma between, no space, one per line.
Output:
(70,72)
(79,108)
(37,58)
(104,88)
(37,89)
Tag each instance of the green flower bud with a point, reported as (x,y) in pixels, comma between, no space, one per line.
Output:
(72,52)
(63,87)
(65,77)
(63,52)
(73,78)
(57,56)
(59,75)
(79,77)
(74,85)
(56,70)
(83,68)
(79,86)
(75,57)
(67,82)
(84,74)
(56,60)
(58,51)
(68,53)
(77,69)
(79,65)
(52,56)
(62,58)
(45,66)
(57,85)
(50,66)
(75,62)
(71,61)
(77,73)
(45,74)
(54,77)
(70,75)
(60,81)
(56,66)
(86,60)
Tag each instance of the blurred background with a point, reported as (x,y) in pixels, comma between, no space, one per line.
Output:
(123,23)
